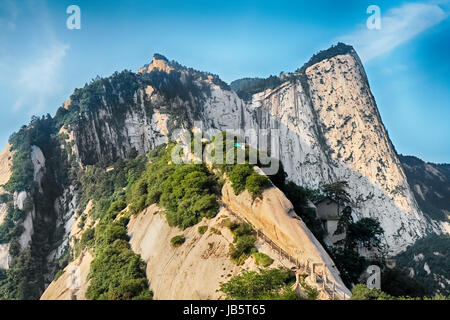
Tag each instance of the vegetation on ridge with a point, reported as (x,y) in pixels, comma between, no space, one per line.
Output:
(188,192)
(334,50)
(362,292)
(429,253)
(25,278)
(243,242)
(117,273)
(247,87)
(266,284)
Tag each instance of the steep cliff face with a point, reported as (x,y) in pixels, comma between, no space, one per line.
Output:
(5,174)
(196,268)
(274,215)
(328,129)
(431,185)
(328,126)
(73,282)
(360,148)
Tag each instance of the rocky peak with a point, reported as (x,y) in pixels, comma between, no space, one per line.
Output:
(333,51)
(159,62)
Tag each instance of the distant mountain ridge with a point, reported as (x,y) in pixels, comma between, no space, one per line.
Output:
(431,185)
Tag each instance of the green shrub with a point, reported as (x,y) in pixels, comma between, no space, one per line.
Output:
(238,177)
(82,221)
(270,284)
(58,274)
(366,232)
(262,259)
(244,242)
(202,229)
(139,204)
(256,184)
(117,273)
(240,229)
(105,188)
(397,282)
(117,205)
(5,197)
(311,293)
(11,226)
(177,240)
(216,231)
(362,292)
(88,238)
(22,168)
(349,263)
(186,191)
(243,177)
(241,250)
(107,233)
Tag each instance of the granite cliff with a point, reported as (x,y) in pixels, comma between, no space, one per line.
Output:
(328,129)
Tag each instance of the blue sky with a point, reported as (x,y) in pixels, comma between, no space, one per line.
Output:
(407,60)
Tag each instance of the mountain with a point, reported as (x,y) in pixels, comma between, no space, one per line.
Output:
(320,121)
(431,185)
(329,123)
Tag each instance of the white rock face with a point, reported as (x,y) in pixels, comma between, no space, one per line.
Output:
(195,269)
(361,149)
(25,237)
(19,199)
(4,256)
(65,207)
(38,159)
(426,268)
(336,134)
(419,257)
(6,157)
(329,130)
(3,212)
(73,283)
(144,133)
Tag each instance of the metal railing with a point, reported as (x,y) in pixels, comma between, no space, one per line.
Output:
(321,279)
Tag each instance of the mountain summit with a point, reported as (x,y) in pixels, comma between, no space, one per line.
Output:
(159,62)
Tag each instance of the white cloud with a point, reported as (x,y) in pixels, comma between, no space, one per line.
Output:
(398,25)
(38,80)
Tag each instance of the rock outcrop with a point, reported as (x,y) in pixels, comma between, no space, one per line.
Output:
(274,216)
(196,268)
(430,183)
(73,283)
(5,174)
(6,162)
